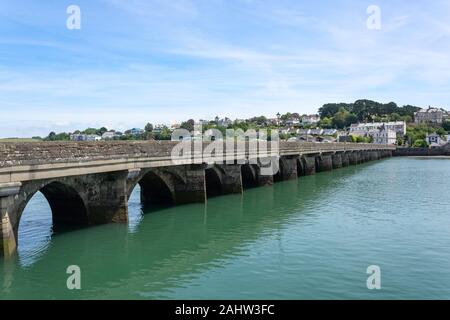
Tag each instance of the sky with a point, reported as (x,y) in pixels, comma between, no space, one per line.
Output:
(164,61)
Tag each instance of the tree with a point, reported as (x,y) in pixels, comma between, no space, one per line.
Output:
(446,125)
(407,118)
(101,131)
(90,131)
(326,123)
(350,118)
(395,117)
(343,118)
(188,125)
(149,127)
(286,116)
(51,136)
(420,143)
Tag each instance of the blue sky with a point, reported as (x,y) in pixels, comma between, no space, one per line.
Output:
(158,61)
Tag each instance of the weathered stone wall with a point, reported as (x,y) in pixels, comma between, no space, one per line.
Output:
(324,162)
(337,160)
(309,165)
(424,152)
(231,178)
(287,169)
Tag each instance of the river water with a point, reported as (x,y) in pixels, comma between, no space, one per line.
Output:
(308,239)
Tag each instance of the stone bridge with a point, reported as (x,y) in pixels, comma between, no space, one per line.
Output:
(89,183)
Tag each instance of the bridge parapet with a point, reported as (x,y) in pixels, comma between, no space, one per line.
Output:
(38,160)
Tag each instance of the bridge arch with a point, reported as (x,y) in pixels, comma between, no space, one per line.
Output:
(156,187)
(68,208)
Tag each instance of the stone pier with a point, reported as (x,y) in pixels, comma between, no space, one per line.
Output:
(231,178)
(324,162)
(287,168)
(309,164)
(345,159)
(336,160)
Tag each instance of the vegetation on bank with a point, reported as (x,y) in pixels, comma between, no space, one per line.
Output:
(341,115)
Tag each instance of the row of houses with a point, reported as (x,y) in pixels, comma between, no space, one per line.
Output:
(108,135)
(302,121)
(381,132)
(315,131)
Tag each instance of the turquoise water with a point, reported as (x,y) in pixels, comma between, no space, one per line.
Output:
(306,239)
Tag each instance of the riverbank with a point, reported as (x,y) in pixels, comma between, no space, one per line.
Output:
(422,152)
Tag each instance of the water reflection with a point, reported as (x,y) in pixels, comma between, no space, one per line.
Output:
(35,230)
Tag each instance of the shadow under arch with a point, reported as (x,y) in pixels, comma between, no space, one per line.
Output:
(155,189)
(249,175)
(213,181)
(281,171)
(301,167)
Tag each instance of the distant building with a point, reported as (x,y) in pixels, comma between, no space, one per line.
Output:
(136,131)
(110,135)
(93,137)
(310,119)
(303,131)
(84,137)
(345,138)
(362,129)
(284,130)
(329,132)
(225,122)
(384,136)
(316,132)
(292,122)
(203,122)
(158,129)
(77,137)
(430,115)
(325,139)
(434,140)
(273,121)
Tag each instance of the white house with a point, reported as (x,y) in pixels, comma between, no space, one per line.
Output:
(362,129)
(93,137)
(109,135)
(384,136)
(136,131)
(316,131)
(433,140)
(329,132)
(84,137)
(310,119)
(291,122)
